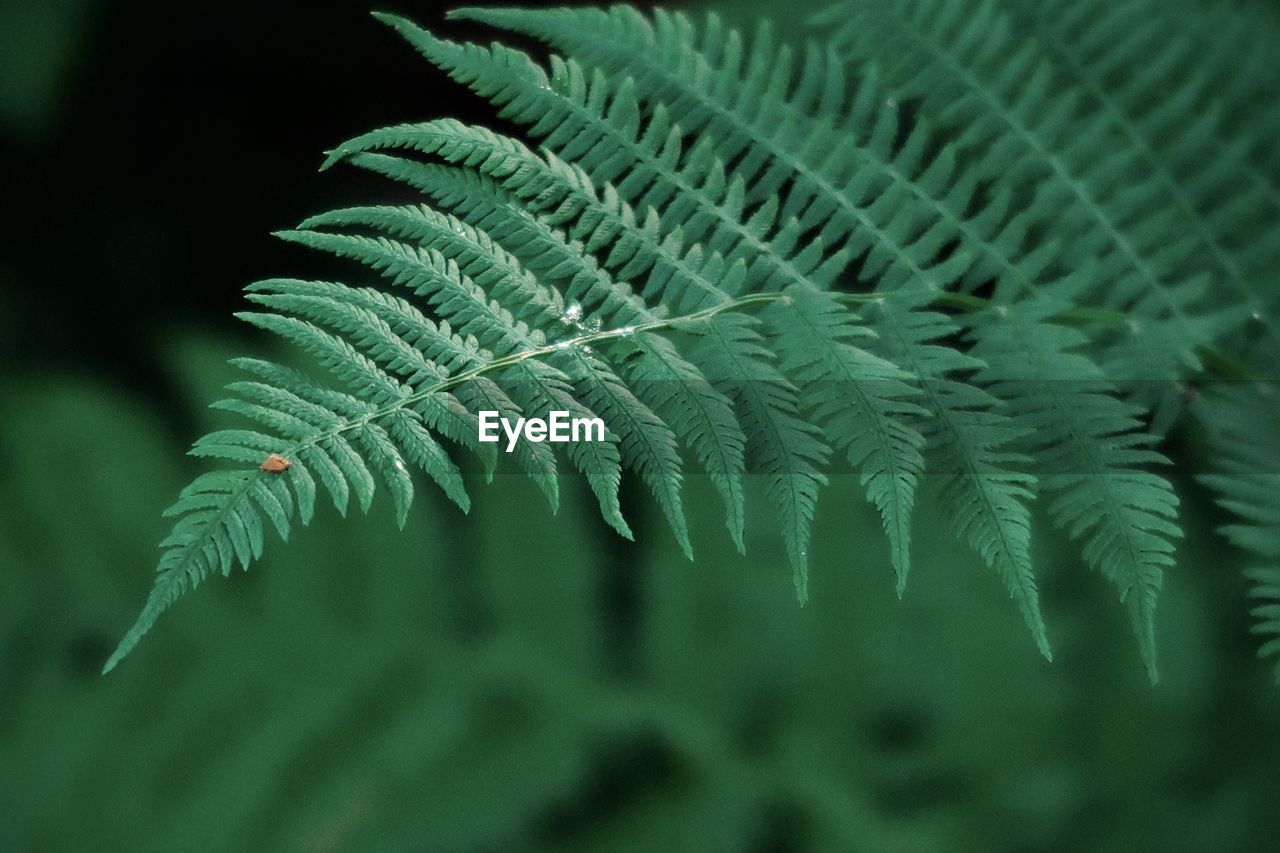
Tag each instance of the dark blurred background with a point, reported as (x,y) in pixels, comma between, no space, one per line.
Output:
(509,682)
(148,149)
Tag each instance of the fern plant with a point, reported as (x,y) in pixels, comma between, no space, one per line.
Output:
(1247,484)
(916,248)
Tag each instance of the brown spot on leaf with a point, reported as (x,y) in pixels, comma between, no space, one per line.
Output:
(275,464)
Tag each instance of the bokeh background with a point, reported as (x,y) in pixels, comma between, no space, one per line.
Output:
(508,681)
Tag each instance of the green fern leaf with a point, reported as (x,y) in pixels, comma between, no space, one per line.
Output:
(1090,448)
(862,400)
(675,389)
(781,446)
(684,255)
(985,485)
(1247,483)
(1006,103)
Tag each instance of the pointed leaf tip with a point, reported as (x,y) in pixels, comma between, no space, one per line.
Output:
(140,626)
(400,24)
(1042,645)
(394,20)
(332,158)
(801,579)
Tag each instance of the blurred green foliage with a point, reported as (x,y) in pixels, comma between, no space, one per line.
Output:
(516,683)
(39,40)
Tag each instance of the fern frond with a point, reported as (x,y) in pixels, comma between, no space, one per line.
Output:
(415,349)
(1222,204)
(341,436)
(869,185)
(679,259)
(838,187)
(868,224)
(786,449)
(984,482)
(610,137)
(1091,453)
(1007,105)
(638,250)
(537,386)
(218,515)
(675,389)
(1241,419)
(1266,591)
(647,445)
(862,402)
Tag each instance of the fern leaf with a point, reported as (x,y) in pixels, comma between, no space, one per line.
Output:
(1092,43)
(838,187)
(676,260)
(646,444)
(688,280)
(1090,451)
(1241,417)
(985,485)
(863,403)
(660,375)
(609,137)
(1005,102)
(781,446)
(579,119)
(537,387)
